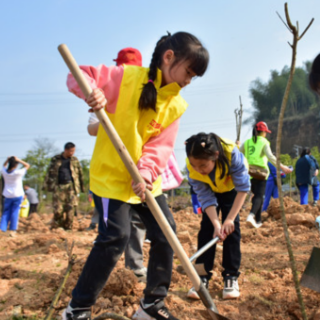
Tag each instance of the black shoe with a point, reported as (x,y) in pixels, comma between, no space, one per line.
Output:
(156,311)
(76,313)
(91,227)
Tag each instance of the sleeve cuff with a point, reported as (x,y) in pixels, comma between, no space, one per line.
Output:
(146,175)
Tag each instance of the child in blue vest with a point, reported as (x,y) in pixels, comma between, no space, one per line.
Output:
(144,106)
(271,186)
(218,173)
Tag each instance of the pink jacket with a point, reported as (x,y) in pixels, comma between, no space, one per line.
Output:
(171,177)
(156,152)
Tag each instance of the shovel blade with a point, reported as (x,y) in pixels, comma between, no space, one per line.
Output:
(216,316)
(311,276)
(208,302)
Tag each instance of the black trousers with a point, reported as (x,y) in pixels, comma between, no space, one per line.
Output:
(114,233)
(231,256)
(258,188)
(33,208)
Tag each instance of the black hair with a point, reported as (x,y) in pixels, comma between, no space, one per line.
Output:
(305,151)
(12,163)
(69,145)
(314,76)
(205,146)
(186,47)
(255,134)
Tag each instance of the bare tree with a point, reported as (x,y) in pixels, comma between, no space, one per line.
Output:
(296,37)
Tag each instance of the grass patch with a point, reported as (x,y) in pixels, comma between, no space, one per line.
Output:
(262,300)
(183,289)
(256,279)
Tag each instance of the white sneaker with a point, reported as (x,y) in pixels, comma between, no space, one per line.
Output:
(76,313)
(251,221)
(141,272)
(258,224)
(192,294)
(231,288)
(153,311)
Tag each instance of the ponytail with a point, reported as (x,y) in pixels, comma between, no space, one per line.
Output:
(148,98)
(186,47)
(208,147)
(255,134)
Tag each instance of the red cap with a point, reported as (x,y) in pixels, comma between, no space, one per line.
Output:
(262,126)
(129,56)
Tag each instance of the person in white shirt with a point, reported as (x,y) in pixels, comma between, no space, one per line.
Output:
(13,192)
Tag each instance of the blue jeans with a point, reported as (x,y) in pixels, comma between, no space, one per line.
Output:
(10,213)
(304,193)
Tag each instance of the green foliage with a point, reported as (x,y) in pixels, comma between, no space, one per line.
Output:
(315,152)
(288,161)
(267,97)
(39,159)
(85,165)
(22,317)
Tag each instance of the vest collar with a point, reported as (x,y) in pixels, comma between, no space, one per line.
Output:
(171,89)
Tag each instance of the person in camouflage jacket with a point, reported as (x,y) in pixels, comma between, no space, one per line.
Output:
(64,179)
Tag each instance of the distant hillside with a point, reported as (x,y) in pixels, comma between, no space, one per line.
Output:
(297,132)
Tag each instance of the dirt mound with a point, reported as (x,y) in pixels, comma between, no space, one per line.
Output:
(34,262)
(293,208)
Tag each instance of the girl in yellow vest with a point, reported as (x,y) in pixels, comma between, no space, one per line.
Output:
(144,105)
(258,152)
(218,173)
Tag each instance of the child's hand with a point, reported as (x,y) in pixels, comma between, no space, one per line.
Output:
(96,100)
(227,227)
(140,188)
(217,231)
(286,170)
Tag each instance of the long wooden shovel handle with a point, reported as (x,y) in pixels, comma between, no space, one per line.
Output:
(131,167)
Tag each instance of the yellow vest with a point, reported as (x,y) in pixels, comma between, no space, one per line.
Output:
(24,208)
(109,177)
(222,185)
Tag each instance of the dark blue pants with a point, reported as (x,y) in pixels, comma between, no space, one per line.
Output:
(231,256)
(114,233)
(304,193)
(271,191)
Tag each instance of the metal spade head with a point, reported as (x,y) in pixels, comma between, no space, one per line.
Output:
(208,302)
(311,276)
(216,316)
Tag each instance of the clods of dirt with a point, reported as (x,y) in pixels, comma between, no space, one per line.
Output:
(34,262)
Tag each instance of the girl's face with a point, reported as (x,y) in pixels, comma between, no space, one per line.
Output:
(180,72)
(202,166)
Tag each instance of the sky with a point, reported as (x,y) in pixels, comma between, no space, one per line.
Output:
(245,39)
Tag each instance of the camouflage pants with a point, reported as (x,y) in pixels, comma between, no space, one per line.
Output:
(64,200)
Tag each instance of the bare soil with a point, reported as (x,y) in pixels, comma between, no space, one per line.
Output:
(34,261)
